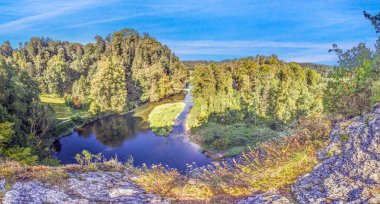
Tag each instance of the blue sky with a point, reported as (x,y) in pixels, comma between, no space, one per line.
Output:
(295,30)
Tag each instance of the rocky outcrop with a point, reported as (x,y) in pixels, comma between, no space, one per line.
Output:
(90,187)
(2,185)
(274,197)
(350,167)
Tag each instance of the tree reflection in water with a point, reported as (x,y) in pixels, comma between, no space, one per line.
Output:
(113,131)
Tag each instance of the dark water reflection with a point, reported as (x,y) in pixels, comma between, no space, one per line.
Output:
(129,135)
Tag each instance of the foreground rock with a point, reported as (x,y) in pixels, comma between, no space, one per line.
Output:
(2,185)
(350,171)
(274,197)
(91,187)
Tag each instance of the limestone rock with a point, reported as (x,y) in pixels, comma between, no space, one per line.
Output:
(267,198)
(350,167)
(2,185)
(36,192)
(90,187)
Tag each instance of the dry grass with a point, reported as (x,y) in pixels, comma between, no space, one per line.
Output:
(13,172)
(273,165)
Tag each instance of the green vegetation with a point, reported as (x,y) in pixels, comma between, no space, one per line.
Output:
(25,123)
(242,102)
(49,87)
(68,117)
(116,73)
(234,137)
(376,91)
(61,109)
(163,117)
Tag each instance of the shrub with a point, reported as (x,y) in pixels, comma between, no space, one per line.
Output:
(22,155)
(88,159)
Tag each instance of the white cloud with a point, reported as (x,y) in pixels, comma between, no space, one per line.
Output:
(43,11)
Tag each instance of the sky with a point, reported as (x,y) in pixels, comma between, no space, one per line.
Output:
(294,30)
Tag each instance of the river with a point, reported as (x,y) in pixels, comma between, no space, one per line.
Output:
(129,135)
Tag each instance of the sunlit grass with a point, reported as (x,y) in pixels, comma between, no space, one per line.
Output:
(162,118)
(232,138)
(62,111)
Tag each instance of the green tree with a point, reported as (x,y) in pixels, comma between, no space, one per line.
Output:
(108,85)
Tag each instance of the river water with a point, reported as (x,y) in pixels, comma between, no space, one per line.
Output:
(129,135)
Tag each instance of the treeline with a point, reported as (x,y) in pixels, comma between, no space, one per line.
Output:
(254,88)
(114,73)
(324,70)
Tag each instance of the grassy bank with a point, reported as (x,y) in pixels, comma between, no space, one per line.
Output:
(232,139)
(68,118)
(62,111)
(162,117)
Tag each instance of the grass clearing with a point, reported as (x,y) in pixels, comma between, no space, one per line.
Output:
(67,118)
(232,138)
(62,111)
(162,118)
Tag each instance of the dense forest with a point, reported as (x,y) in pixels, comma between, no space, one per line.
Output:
(255,98)
(114,74)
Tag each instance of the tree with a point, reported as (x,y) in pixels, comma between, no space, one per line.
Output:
(108,85)
(55,77)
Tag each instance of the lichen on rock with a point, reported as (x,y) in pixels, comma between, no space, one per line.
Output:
(352,173)
(89,187)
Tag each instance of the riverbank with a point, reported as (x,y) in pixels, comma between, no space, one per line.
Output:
(69,119)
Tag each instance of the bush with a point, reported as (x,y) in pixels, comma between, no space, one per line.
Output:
(22,155)
(77,119)
(50,161)
(88,159)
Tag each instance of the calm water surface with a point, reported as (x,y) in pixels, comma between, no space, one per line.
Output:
(129,135)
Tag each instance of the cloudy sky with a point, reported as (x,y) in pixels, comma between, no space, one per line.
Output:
(295,30)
